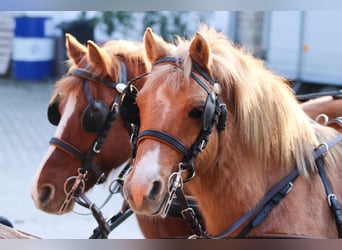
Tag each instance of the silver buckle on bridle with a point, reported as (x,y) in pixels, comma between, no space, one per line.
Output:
(175,181)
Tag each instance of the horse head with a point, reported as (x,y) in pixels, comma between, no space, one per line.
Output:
(180,109)
(84,108)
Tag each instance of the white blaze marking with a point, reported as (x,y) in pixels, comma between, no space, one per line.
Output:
(162,96)
(69,109)
(148,165)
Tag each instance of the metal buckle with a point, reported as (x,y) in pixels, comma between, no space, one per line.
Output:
(115,106)
(203,145)
(329,198)
(97,151)
(290,187)
(323,152)
(175,181)
(188,209)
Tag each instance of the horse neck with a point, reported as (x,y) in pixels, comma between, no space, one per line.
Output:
(240,183)
(242,177)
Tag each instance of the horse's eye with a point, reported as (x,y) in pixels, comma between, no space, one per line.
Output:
(196,113)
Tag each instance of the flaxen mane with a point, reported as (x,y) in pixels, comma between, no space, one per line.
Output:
(268,121)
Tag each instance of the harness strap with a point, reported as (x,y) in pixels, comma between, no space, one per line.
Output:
(112,223)
(84,201)
(273,192)
(176,210)
(324,147)
(332,200)
(94,78)
(266,210)
(188,213)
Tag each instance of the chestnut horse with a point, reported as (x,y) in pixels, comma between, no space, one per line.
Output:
(80,102)
(214,118)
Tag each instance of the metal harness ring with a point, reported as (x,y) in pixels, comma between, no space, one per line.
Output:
(324,117)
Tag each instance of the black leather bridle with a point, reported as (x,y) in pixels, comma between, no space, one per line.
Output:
(219,117)
(95,148)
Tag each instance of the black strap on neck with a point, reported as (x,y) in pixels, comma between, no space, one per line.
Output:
(279,191)
(324,147)
(318,153)
(331,197)
(267,208)
(267,199)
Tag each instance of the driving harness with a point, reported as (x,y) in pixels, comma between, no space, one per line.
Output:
(215,112)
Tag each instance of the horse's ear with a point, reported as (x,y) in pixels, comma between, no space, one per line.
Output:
(75,50)
(200,51)
(99,58)
(155,46)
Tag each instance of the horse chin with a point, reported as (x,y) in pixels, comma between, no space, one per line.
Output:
(148,208)
(53,209)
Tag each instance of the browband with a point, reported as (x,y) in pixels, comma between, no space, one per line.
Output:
(106,81)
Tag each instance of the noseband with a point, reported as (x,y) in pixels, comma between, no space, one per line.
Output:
(95,148)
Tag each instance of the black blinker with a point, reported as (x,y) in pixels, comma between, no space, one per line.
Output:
(53,113)
(94,117)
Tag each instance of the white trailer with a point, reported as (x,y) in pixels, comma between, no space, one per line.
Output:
(306,47)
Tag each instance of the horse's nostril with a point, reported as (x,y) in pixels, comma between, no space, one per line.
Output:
(45,194)
(155,190)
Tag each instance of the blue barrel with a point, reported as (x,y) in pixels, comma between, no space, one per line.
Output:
(33,49)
